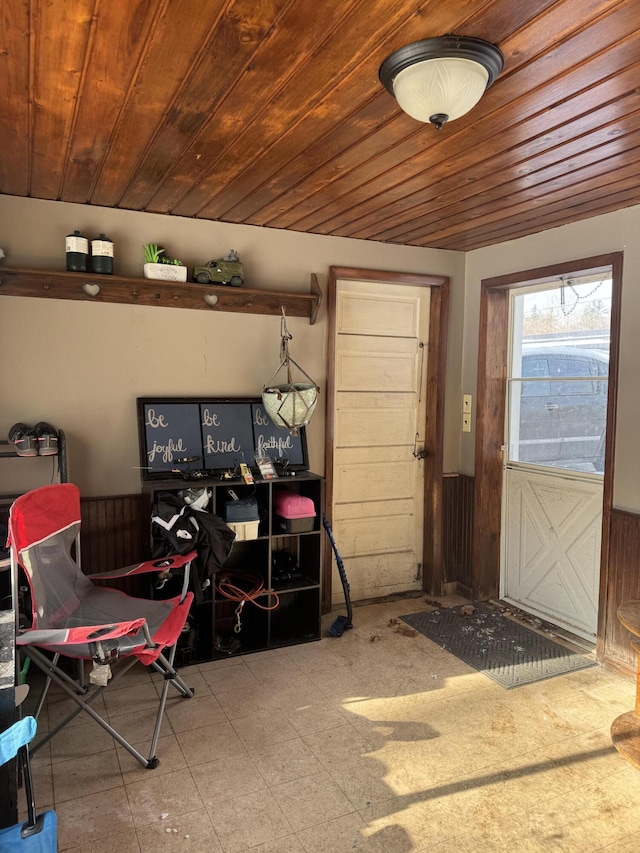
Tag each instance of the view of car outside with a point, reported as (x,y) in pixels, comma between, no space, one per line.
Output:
(559,376)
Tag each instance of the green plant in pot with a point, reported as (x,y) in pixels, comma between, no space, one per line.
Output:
(158,266)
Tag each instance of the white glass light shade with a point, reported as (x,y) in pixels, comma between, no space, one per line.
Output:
(291,405)
(440,79)
(440,87)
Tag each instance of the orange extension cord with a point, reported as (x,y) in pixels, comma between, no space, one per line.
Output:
(228,588)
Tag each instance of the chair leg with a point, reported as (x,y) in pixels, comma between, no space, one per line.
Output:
(83,701)
(170,674)
(45,690)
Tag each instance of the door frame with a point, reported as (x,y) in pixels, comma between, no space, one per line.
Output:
(491,405)
(432,574)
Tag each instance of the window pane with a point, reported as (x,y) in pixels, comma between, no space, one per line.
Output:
(534,428)
(536,367)
(579,364)
(559,370)
(558,431)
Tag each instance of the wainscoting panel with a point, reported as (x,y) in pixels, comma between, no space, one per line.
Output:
(112,536)
(624,585)
(457,529)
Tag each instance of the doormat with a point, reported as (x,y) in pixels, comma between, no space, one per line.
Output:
(495,645)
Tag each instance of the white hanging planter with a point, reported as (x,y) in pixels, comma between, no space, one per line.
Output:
(289,404)
(165,272)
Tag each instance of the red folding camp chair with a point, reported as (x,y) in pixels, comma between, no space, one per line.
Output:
(74,618)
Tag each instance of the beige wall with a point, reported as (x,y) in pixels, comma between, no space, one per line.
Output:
(609,233)
(81,365)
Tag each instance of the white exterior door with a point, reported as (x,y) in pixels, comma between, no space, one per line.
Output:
(553,540)
(554,451)
(379,415)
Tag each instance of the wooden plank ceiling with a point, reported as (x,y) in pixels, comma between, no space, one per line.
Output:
(270,112)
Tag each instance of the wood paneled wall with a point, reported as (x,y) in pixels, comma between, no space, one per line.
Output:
(457,530)
(113,535)
(624,585)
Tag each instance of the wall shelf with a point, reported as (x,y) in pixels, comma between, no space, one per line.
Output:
(167,294)
(8,451)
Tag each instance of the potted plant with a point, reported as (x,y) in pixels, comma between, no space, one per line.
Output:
(158,266)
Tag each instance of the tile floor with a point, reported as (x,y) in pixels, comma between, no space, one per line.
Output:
(372,743)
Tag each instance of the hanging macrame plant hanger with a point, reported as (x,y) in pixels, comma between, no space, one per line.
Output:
(289,403)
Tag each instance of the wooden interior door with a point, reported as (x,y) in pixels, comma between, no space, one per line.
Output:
(380,392)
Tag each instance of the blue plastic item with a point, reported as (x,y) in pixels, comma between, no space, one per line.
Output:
(37,834)
(18,735)
(16,838)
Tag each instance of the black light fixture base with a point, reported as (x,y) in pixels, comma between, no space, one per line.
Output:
(438,120)
(442,47)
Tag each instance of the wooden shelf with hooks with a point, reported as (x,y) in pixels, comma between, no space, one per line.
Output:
(167,294)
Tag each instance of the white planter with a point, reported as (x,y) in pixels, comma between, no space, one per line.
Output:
(165,272)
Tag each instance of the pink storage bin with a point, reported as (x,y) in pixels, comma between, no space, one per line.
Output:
(293,513)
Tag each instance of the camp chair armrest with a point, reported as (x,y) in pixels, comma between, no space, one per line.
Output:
(15,737)
(76,636)
(175,561)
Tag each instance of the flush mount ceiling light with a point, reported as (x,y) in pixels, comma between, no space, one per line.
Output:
(440,79)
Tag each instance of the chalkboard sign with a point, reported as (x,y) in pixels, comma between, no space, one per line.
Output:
(171,433)
(227,437)
(278,444)
(180,436)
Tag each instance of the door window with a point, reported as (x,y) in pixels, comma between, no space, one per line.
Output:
(535,367)
(558,381)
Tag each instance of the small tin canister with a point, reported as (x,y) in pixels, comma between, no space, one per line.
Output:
(77,251)
(102,255)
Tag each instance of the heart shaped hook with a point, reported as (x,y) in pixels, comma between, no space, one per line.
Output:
(211,299)
(91,289)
